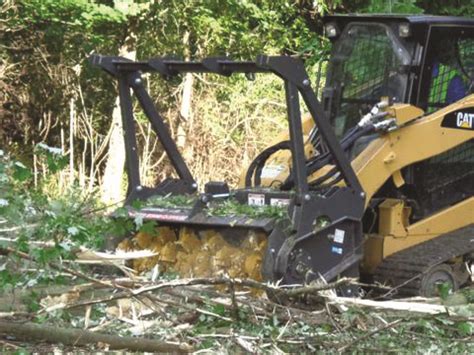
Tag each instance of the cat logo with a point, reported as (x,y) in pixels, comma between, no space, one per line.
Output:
(462,119)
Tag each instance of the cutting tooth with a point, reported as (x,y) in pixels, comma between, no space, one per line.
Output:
(204,253)
(202,264)
(252,265)
(168,253)
(188,240)
(166,235)
(215,242)
(144,240)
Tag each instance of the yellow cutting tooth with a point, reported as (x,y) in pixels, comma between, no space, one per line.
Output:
(251,242)
(183,264)
(262,245)
(215,242)
(144,240)
(166,235)
(168,253)
(224,256)
(202,264)
(126,245)
(188,240)
(206,253)
(252,266)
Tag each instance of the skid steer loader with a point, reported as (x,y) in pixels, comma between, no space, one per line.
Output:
(377,182)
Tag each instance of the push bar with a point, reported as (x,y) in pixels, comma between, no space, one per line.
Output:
(296,83)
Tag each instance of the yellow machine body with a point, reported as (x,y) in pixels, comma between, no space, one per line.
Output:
(417,137)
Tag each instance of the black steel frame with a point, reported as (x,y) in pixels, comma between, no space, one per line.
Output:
(296,83)
(294,245)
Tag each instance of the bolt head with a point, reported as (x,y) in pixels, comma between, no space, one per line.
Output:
(300,268)
(139,188)
(362,194)
(138,81)
(306,82)
(307,197)
(194,185)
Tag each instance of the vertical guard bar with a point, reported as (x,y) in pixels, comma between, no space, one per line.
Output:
(296,138)
(292,70)
(162,131)
(330,138)
(128,122)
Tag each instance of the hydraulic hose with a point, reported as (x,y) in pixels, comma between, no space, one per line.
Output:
(313,164)
(318,162)
(256,167)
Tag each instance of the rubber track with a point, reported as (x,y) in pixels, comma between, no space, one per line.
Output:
(405,267)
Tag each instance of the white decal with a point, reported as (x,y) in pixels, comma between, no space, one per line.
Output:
(271,171)
(279,201)
(256,199)
(339,236)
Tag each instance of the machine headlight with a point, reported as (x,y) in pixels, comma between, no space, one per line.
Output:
(331,30)
(404,30)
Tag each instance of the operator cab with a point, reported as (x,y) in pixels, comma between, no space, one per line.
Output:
(427,61)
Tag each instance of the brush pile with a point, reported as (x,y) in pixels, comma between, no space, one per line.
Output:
(104,306)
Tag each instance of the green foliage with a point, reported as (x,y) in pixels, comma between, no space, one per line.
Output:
(231,207)
(54,159)
(171,201)
(85,19)
(432,7)
(447,7)
(444,289)
(48,228)
(394,6)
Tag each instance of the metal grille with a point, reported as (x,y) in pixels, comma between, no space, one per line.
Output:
(446,178)
(447,168)
(451,75)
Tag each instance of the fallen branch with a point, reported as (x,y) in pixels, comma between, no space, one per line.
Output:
(369,334)
(13,229)
(75,337)
(392,305)
(8,250)
(280,291)
(87,256)
(293,292)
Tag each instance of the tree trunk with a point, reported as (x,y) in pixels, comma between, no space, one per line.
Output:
(111,188)
(185,111)
(77,337)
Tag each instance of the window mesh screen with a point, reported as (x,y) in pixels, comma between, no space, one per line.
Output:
(365,66)
(370,63)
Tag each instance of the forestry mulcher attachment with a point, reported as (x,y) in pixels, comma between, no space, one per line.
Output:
(377,182)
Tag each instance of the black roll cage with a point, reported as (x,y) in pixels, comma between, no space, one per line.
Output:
(296,82)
